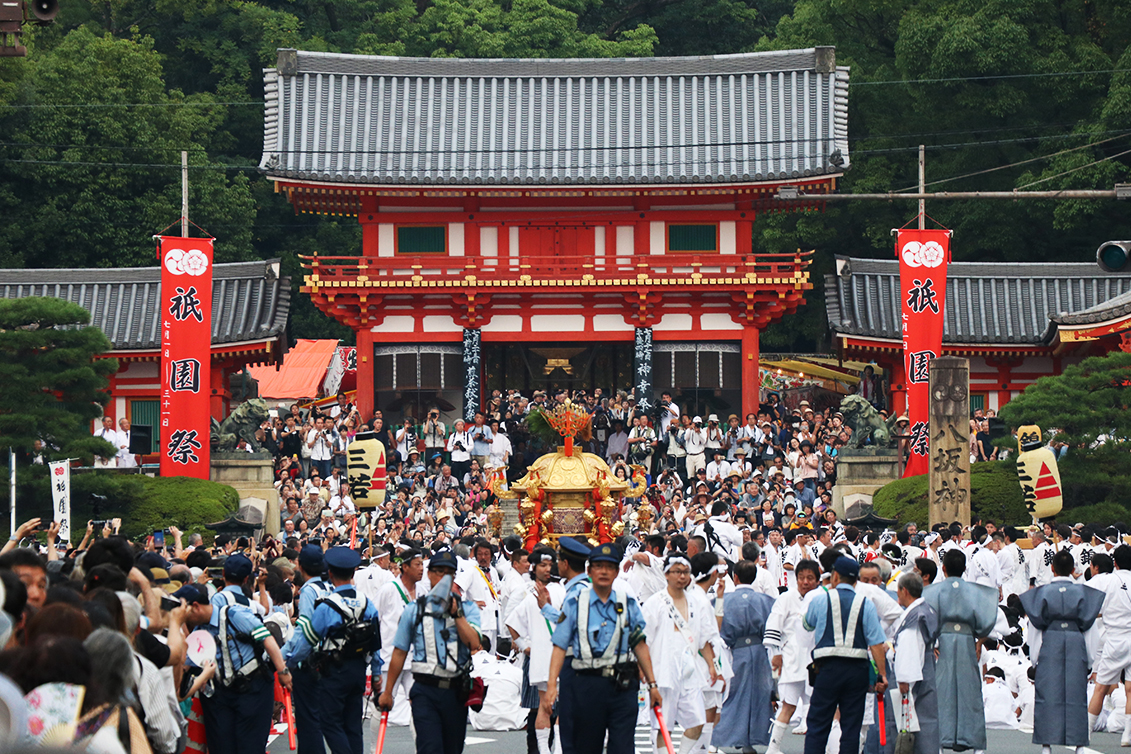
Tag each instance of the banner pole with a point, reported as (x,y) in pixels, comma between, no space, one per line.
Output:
(922,188)
(184,191)
(12,488)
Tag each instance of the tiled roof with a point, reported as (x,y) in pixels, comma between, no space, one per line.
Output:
(386,120)
(986,302)
(1113,308)
(249,300)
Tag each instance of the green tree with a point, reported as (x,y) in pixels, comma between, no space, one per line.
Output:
(53,381)
(1088,409)
(92,169)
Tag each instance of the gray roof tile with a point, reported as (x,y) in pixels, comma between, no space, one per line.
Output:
(986,302)
(249,300)
(386,120)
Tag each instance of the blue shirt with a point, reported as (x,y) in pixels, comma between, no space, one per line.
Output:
(602,624)
(409,640)
(817,614)
(245,631)
(573,586)
(481,438)
(324,620)
(307,596)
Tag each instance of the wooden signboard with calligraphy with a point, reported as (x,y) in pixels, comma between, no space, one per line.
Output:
(949,441)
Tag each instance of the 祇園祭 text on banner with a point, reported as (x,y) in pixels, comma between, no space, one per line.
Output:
(923,257)
(186,348)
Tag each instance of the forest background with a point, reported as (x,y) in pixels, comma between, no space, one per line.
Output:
(1004,94)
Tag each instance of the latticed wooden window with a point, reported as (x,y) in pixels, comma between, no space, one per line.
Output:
(693,238)
(422,239)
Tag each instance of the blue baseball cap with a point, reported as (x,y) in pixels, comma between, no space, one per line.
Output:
(343,558)
(237,567)
(606,553)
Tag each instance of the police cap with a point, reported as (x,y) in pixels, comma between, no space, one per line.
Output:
(311,559)
(606,553)
(191,593)
(846,566)
(574,548)
(443,559)
(237,567)
(342,558)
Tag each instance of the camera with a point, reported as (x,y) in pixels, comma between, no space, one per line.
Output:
(458,446)
(168,603)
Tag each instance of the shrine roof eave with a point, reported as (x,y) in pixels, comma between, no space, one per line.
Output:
(859,344)
(265,351)
(713,187)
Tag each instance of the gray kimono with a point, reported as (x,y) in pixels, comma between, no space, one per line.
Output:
(966,612)
(1061,611)
(922,619)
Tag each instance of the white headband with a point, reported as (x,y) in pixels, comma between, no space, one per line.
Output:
(676,561)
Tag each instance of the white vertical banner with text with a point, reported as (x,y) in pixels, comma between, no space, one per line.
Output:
(61,497)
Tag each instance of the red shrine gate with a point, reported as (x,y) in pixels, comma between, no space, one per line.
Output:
(555,223)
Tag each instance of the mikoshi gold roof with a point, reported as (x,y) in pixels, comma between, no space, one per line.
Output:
(579,472)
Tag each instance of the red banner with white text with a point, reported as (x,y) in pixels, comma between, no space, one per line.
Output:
(923,257)
(186,355)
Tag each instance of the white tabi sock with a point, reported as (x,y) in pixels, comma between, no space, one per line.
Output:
(1046,750)
(687,745)
(542,735)
(1092,722)
(777,731)
(705,737)
(833,745)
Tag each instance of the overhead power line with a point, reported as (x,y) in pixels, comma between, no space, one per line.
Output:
(999,77)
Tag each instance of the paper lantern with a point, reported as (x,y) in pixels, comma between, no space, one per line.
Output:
(366,470)
(1038,474)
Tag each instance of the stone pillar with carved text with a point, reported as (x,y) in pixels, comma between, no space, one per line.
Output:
(949,441)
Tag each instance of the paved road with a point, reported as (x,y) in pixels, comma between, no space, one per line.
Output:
(399,741)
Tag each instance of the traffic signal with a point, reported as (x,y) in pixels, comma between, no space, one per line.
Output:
(14,14)
(1114,256)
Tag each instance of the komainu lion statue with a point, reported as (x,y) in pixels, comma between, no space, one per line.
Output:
(868,427)
(241,424)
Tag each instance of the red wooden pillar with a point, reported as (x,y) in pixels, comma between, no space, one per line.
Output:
(221,397)
(750,380)
(368,218)
(366,393)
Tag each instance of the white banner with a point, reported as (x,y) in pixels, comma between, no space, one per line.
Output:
(61,497)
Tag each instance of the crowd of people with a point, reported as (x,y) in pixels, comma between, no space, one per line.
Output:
(737,604)
(732,633)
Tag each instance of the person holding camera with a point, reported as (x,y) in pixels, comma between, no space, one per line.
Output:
(435,434)
(481,437)
(439,662)
(695,445)
(320,441)
(406,438)
(459,449)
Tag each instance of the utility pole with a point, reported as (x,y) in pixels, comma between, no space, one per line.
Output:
(922,186)
(12,489)
(184,194)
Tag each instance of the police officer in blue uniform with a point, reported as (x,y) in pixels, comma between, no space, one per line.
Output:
(847,630)
(438,633)
(342,632)
(307,684)
(571,568)
(604,629)
(237,715)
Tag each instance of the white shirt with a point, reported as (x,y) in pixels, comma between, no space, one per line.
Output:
(164,722)
(500,451)
(534,630)
(1117,605)
(646,580)
(729,537)
(694,441)
(717,471)
(982,567)
(909,651)
(390,605)
(773,556)
(320,450)
(110,436)
(674,652)
(666,416)
(1040,563)
(464,439)
(369,580)
(786,636)
(126,460)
